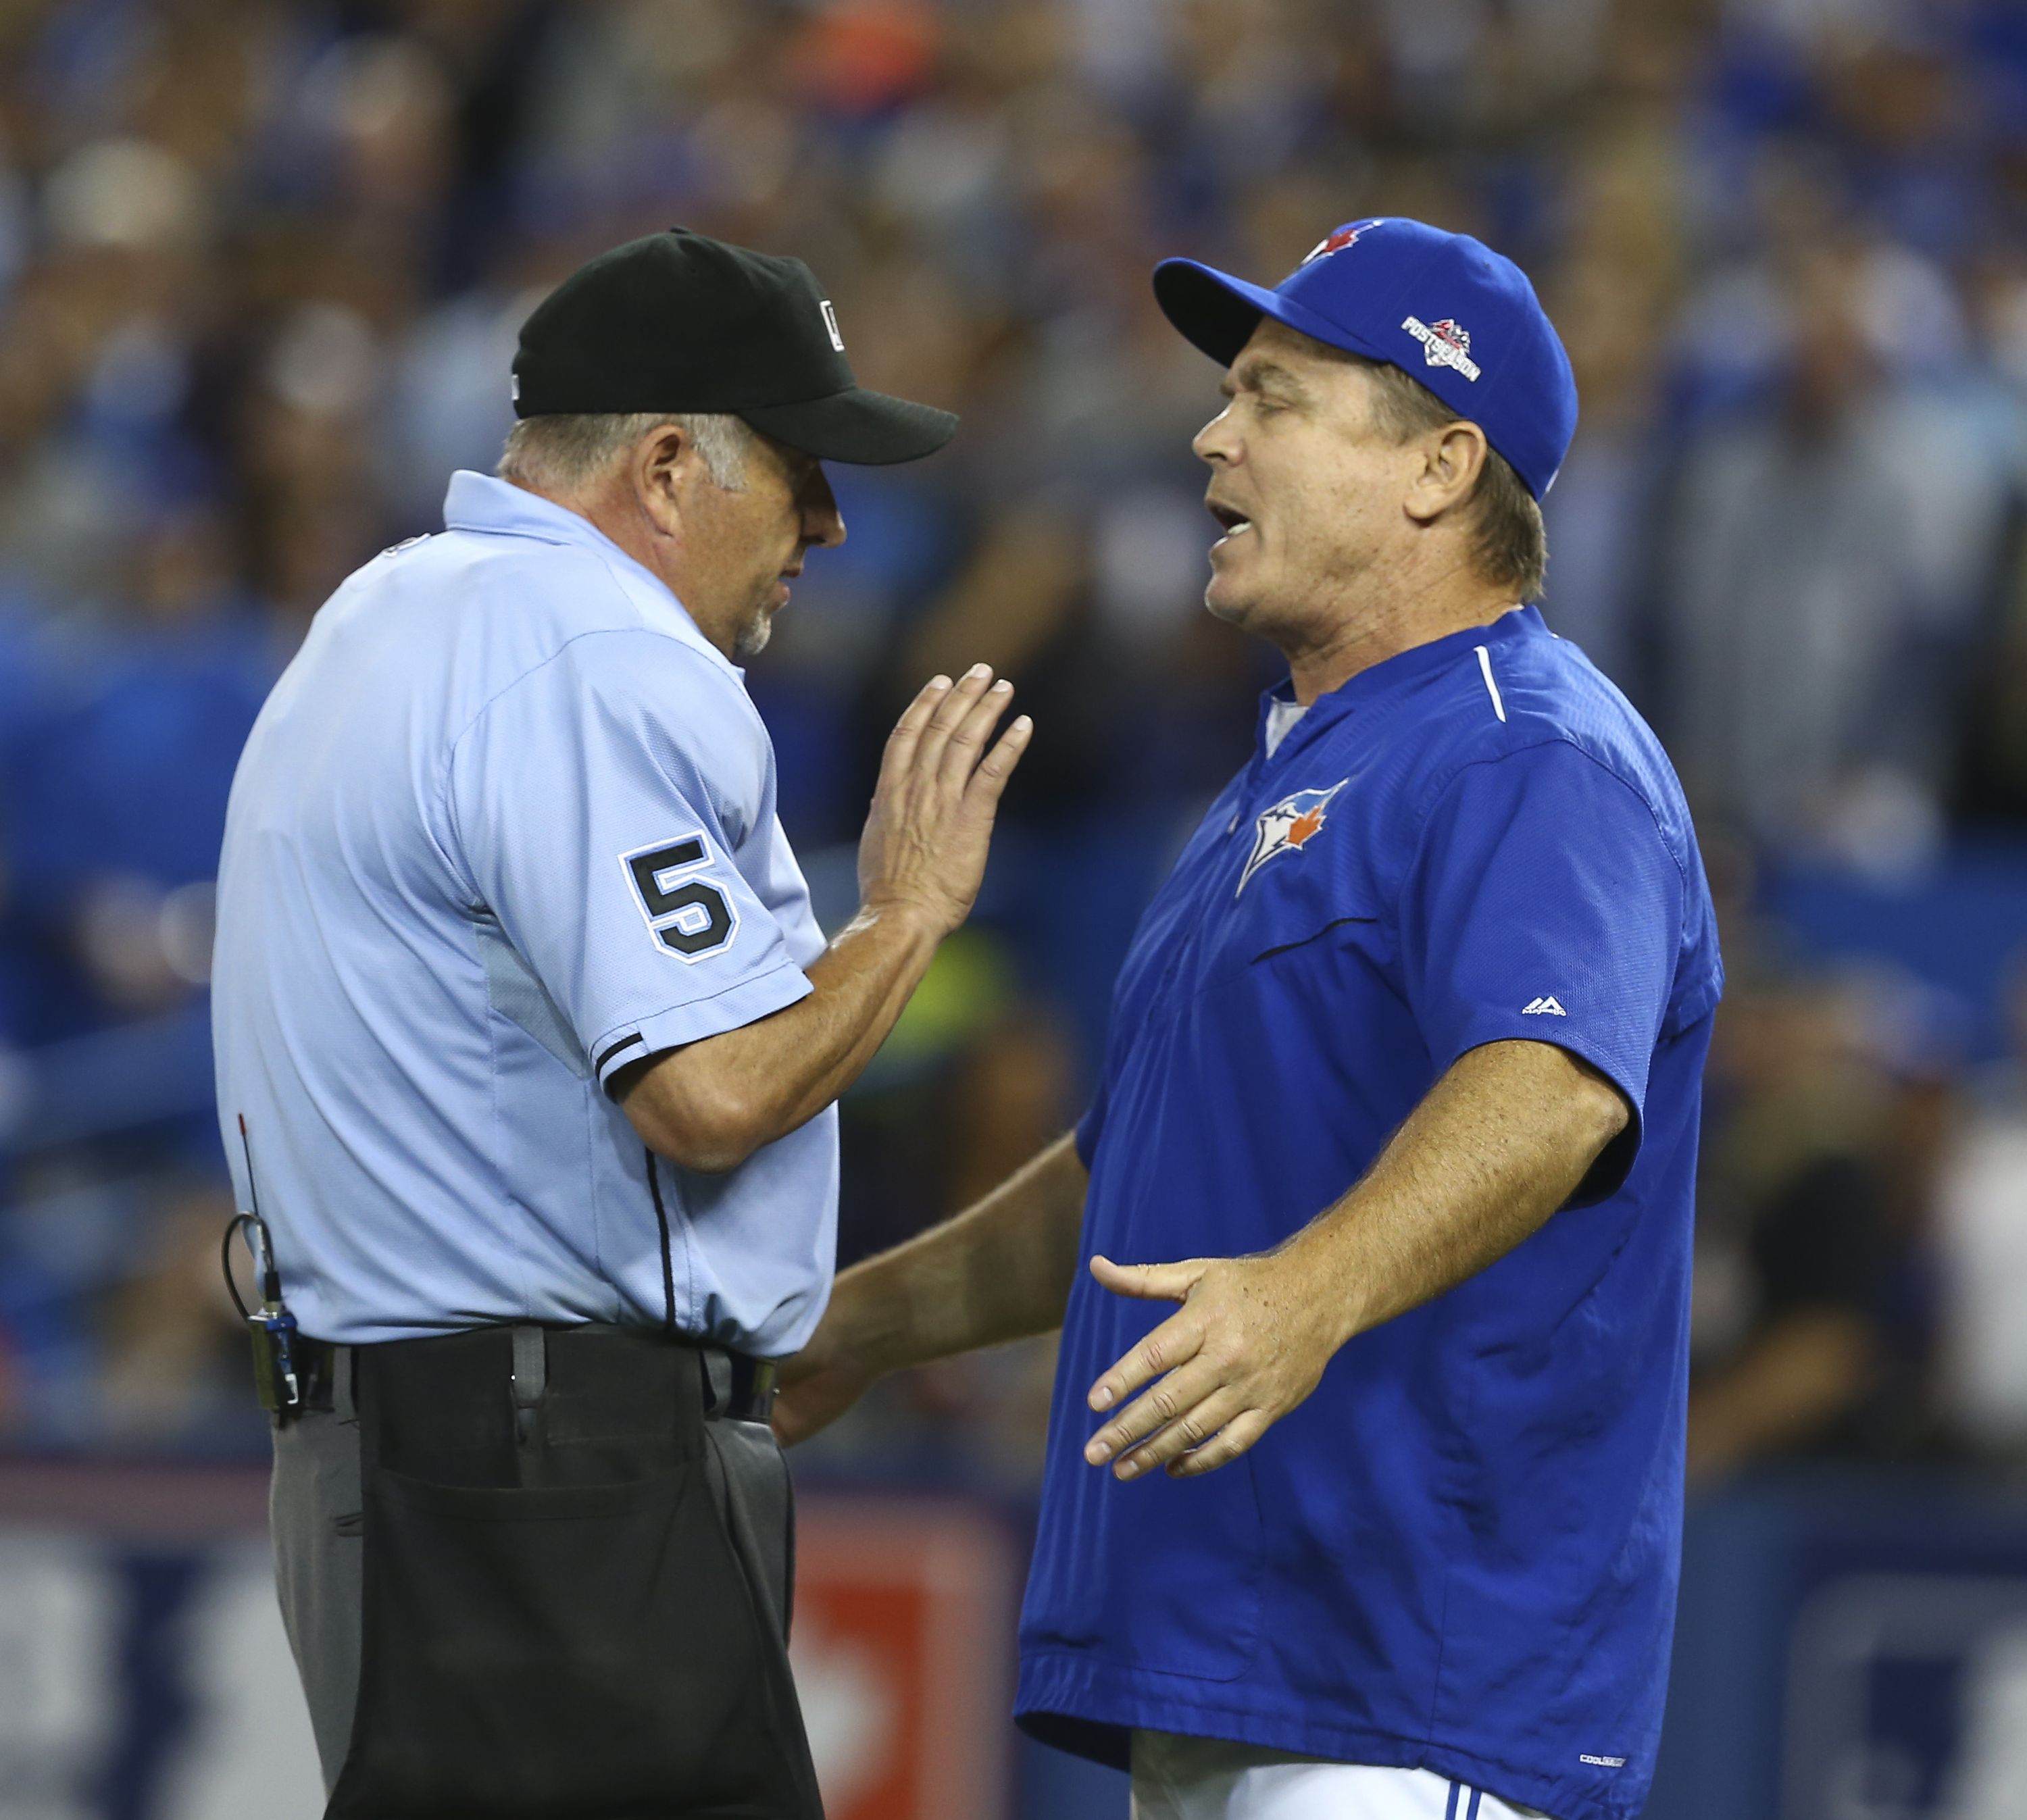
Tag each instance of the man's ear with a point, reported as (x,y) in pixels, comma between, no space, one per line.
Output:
(664,466)
(1453,457)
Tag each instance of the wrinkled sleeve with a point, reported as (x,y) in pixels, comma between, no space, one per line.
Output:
(1544,906)
(1090,1126)
(598,806)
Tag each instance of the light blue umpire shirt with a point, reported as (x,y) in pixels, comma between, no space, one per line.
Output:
(505,825)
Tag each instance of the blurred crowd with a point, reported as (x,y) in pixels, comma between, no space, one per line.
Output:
(261,266)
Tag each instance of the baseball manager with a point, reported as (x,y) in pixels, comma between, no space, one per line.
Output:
(1404,1067)
(527,1045)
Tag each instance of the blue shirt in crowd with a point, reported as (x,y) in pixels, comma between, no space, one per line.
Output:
(507,824)
(125,781)
(1461,1553)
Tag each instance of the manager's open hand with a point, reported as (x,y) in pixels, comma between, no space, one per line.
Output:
(1248,1345)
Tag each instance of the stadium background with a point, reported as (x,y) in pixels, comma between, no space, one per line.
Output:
(261,263)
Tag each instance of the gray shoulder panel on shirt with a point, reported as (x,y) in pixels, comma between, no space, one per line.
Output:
(520,998)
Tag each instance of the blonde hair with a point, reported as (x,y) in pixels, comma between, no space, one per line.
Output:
(1508,540)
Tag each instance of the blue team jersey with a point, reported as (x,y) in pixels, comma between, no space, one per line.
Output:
(1461,1553)
(505,826)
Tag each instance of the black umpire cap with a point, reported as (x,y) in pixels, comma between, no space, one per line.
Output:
(679,322)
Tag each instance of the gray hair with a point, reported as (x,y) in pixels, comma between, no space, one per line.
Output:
(560,454)
(1509,542)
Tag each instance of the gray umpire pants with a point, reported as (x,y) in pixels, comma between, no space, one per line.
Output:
(315,1512)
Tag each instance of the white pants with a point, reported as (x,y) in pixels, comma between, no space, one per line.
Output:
(1183,1778)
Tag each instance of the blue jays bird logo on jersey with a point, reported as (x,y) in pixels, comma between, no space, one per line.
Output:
(1288,826)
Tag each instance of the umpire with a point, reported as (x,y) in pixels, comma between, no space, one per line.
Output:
(527,1045)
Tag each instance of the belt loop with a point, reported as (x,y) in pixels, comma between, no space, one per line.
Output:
(738,1386)
(762,1377)
(717,1380)
(344,1401)
(531,1374)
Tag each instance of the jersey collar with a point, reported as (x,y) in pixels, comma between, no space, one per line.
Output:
(482,503)
(1370,687)
(479,502)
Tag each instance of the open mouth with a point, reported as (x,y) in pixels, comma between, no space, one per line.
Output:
(1235,523)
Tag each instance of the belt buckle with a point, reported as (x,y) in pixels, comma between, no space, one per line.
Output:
(741,1387)
(761,1376)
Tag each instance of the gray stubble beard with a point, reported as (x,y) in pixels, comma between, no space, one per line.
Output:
(753,636)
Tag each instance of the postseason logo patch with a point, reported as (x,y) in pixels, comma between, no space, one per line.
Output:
(1288,826)
(1443,345)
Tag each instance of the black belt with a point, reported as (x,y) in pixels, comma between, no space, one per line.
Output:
(738,1387)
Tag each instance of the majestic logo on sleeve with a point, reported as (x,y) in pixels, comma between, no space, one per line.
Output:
(1288,826)
(1443,345)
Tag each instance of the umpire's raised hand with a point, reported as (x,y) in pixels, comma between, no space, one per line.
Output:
(710,1106)
(925,840)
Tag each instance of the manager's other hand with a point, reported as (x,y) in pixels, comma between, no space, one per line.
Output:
(1505,1138)
(1248,1345)
(817,1384)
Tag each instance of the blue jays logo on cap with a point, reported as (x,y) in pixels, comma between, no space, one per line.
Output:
(1460,318)
(1345,236)
(1288,826)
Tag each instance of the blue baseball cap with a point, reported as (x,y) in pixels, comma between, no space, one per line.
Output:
(1443,307)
